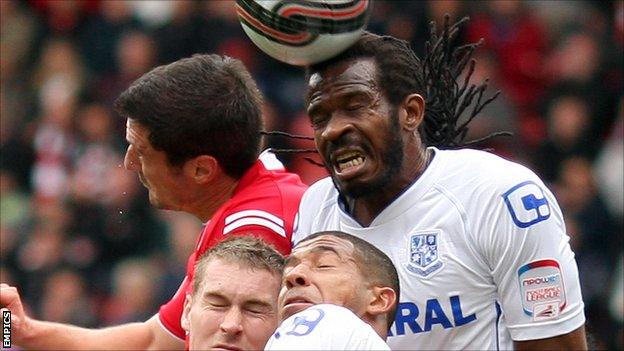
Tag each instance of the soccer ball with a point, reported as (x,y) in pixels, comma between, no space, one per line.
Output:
(303,32)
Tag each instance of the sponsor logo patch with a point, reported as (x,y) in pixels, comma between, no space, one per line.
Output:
(542,289)
(527,204)
(423,254)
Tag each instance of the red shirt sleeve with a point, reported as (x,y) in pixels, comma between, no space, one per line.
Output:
(171,312)
(280,243)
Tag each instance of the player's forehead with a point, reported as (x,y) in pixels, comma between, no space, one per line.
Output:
(354,74)
(136,133)
(329,244)
(237,279)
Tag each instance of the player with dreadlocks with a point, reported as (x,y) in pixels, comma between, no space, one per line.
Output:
(479,242)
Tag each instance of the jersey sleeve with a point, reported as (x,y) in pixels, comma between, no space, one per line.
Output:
(531,262)
(280,243)
(170,313)
(309,208)
(325,327)
(270,227)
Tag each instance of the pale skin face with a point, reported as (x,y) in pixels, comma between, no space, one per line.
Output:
(323,270)
(165,183)
(236,308)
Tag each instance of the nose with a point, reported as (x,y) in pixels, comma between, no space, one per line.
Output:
(335,127)
(296,277)
(232,322)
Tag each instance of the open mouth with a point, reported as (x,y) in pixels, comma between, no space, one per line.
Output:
(295,304)
(349,162)
(226,347)
(295,300)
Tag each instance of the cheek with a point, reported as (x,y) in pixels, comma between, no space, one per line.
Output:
(203,324)
(262,329)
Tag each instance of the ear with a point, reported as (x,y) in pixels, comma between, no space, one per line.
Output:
(412,112)
(185,320)
(384,299)
(202,169)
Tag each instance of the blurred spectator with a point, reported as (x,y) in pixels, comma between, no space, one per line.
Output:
(518,41)
(178,37)
(135,286)
(616,304)
(53,140)
(153,13)
(63,17)
(183,229)
(97,153)
(42,250)
(595,239)
(498,116)
(101,35)
(65,299)
(135,54)
(568,120)
(609,167)
(14,203)
(18,29)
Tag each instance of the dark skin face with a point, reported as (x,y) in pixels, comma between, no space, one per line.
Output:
(370,147)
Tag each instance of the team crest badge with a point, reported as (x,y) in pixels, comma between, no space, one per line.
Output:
(423,254)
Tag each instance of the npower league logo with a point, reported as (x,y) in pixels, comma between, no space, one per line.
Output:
(542,289)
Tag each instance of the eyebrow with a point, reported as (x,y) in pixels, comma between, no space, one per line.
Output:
(250,302)
(211,294)
(258,303)
(293,260)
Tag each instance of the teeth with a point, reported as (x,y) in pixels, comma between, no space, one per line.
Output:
(352,163)
(347,156)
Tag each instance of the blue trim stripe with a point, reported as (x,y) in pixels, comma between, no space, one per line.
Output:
(499,312)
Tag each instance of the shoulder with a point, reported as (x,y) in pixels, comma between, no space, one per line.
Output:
(324,319)
(320,193)
(325,327)
(473,171)
(333,320)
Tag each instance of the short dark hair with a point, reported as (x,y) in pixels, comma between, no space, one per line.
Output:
(400,72)
(246,250)
(375,266)
(202,105)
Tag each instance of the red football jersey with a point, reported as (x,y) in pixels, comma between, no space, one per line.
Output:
(265,204)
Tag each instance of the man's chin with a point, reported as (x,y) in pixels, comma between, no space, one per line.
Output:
(294,308)
(355,190)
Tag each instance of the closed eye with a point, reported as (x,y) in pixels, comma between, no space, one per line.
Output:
(318,120)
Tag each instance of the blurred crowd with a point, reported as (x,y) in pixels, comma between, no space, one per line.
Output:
(77,233)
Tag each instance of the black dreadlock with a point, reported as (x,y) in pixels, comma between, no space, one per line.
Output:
(401,72)
(446,101)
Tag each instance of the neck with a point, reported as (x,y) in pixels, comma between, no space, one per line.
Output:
(212,197)
(365,209)
(379,325)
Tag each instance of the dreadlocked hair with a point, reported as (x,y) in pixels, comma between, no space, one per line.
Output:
(450,105)
(447,100)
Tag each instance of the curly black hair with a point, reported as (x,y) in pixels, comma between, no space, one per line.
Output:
(436,78)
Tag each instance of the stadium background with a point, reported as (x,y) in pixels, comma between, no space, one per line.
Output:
(77,234)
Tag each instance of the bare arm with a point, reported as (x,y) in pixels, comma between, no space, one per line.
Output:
(572,341)
(33,334)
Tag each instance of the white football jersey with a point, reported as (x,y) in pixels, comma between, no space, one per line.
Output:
(480,247)
(325,327)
